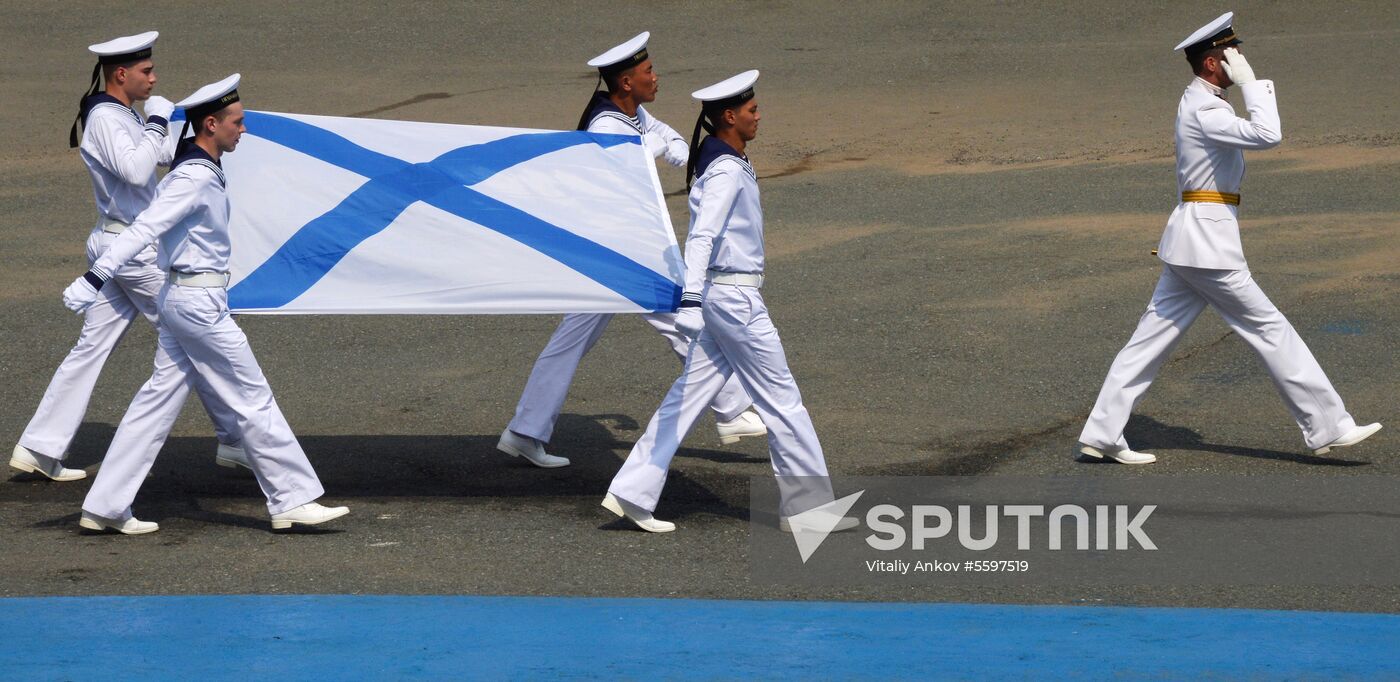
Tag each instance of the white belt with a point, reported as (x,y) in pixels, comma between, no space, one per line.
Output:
(738,279)
(111,226)
(204,280)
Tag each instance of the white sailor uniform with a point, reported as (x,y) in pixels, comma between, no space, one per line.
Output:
(724,267)
(121,152)
(198,339)
(548,385)
(1204,265)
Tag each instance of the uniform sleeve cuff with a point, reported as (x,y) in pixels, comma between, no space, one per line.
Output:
(157,125)
(95,279)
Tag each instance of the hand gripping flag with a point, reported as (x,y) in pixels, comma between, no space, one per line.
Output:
(367,216)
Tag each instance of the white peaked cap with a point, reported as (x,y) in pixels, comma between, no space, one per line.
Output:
(1221,24)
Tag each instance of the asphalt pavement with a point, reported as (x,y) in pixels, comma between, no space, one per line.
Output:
(960,203)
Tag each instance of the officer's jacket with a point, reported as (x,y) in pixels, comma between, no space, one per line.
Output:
(1210,144)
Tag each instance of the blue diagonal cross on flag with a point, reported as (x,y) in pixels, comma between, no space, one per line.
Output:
(341,215)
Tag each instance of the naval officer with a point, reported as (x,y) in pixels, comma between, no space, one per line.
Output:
(631,81)
(1203,261)
(722,308)
(121,151)
(198,338)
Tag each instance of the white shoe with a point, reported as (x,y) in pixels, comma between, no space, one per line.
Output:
(641,517)
(309,514)
(516,445)
(131,526)
(1124,456)
(818,524)
(746,425)
(1348,439)
(32,462)
(232,457)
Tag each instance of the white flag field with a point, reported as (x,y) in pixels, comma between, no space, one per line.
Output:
(338,215)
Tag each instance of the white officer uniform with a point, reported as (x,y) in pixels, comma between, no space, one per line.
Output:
(121,151)
(724,265)
(198,338)
(1204,265)
(548,385)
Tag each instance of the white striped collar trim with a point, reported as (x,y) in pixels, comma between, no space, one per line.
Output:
(127,110)
(730,157)
(633,121)
(218,172)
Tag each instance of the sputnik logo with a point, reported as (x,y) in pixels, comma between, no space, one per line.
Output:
(810,528)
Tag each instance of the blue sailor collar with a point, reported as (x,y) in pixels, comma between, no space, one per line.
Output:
(602,105)
(102,98)
(601,102)
(713,149)
(196,155)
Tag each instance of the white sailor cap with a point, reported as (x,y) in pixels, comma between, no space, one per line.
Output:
(210,98)
(1218,33)
(728,92)
(622,57)
(126,49)
(123,50)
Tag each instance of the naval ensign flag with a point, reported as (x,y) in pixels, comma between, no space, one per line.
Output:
(365,216)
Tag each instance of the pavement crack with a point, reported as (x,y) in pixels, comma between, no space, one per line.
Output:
(977,458)
(985,457)
(427,96)
(802,166)
(1192,352)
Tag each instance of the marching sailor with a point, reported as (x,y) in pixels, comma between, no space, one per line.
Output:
(722,308)
(121,151)
(198,338)
(631,82)
(1203,261)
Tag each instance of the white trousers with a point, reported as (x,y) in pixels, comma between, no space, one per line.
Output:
(198,338)
(132,291)
(548,386)
(738,341)
(1180,296)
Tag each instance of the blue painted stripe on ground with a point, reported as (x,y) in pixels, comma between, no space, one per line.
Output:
(392,637)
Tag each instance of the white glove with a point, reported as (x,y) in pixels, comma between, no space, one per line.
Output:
(159,106)
(690,321)
(677,153)
(1236,67)
(79,295)
(654,143)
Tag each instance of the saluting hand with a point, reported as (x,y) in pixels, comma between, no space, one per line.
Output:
(1236,67)
(159,107)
